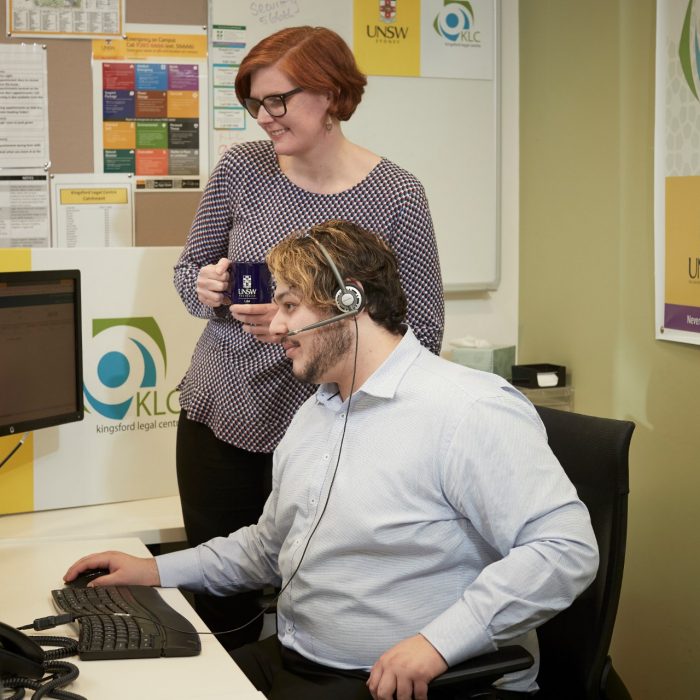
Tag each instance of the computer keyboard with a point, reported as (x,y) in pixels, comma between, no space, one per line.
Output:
(126,622)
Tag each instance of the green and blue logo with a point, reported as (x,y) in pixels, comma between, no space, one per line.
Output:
(455,20)
(131,360)
(689,50)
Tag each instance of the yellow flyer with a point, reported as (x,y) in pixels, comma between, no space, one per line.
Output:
(682,274)
(387,37)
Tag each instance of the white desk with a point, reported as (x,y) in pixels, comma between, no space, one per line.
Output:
(153,521)
(30,570)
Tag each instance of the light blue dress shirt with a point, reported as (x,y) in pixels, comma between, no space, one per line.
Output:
(448,515)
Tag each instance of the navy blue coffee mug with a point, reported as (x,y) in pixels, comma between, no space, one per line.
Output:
(251,283)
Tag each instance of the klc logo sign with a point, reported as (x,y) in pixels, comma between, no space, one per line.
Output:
(455,23)
(126,362)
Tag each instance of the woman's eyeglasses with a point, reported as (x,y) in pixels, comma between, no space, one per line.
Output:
(275,105)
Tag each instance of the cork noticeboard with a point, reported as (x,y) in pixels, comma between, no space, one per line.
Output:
(162,218)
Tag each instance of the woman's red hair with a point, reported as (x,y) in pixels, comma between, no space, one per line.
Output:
(316,59)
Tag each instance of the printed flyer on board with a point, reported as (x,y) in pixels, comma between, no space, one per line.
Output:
(66,19)
(150,100)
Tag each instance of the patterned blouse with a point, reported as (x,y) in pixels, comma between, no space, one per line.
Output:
(241,388)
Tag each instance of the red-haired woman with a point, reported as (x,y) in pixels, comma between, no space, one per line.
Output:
(239,394)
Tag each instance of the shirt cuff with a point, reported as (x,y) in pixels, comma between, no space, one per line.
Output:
(458,635)
(180,569)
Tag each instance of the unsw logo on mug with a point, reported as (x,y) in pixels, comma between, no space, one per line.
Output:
(251,283)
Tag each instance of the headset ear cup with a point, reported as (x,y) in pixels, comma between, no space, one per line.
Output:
(350,299)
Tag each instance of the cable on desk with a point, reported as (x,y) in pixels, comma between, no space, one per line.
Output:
(61,673)
(57,674)
(46,623)
(66,646)
(17,695)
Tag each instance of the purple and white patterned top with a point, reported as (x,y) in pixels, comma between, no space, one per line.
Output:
(241,388)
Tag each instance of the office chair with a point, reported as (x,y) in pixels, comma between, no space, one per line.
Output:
(574,645)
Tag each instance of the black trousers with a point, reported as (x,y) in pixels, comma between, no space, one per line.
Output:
(222,488)
(283,674)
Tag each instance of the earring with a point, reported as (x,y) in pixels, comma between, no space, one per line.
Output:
(329,123)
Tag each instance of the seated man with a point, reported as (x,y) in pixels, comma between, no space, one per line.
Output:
(417,516)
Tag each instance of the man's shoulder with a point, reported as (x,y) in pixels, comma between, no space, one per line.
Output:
(450,395)
(456,382)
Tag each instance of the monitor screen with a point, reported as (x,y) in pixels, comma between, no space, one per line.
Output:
(41,373)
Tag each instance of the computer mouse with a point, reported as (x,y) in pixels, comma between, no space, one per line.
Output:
(84,577)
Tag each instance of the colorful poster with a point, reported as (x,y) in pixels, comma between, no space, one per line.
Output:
(151,89)
(682,264)
(67,19)
(429,39)
(677,171)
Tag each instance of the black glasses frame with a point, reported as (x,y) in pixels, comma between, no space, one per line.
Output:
(253,106)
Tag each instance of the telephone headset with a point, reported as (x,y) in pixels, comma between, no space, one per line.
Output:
(349,299)
(23,662)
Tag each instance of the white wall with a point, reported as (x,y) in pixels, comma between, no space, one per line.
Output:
(494,315)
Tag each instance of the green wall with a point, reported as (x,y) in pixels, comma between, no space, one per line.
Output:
(587,301)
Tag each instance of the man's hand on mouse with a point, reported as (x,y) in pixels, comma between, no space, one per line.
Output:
(124,569)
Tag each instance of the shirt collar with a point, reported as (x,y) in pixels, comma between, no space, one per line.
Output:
(384,382)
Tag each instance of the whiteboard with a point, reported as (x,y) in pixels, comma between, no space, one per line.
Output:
(445,131)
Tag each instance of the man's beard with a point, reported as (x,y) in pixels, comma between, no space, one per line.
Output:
(329,346)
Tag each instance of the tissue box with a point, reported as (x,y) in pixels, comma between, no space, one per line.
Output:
(498,359)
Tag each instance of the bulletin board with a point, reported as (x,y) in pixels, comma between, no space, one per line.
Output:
(161,219)
(445,131)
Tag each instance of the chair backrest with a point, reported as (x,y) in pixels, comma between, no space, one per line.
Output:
(574,644)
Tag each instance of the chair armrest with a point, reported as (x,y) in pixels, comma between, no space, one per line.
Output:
(485,669)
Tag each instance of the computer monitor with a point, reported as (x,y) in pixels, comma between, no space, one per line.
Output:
(41,371)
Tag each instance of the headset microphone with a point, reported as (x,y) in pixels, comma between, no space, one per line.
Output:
(325,322)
